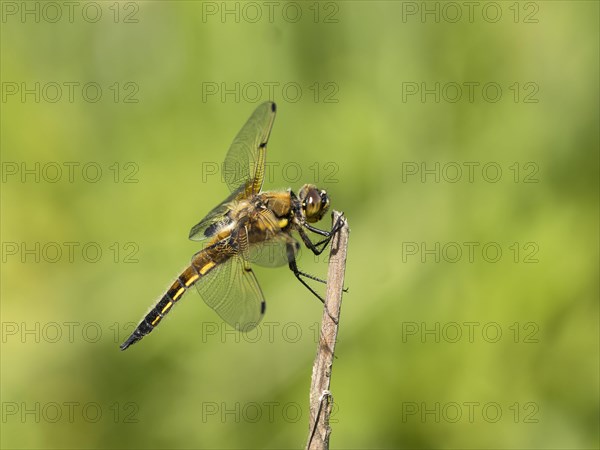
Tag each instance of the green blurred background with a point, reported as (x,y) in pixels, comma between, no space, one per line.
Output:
(420,363)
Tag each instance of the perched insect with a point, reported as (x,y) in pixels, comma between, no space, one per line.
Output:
(249,226)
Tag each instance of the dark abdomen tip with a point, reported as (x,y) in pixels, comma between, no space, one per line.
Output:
(131,340)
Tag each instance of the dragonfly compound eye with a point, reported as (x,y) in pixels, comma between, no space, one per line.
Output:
(315,204)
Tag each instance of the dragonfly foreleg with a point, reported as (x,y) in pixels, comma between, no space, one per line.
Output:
(314,246)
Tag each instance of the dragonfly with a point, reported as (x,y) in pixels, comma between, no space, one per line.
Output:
(248,227)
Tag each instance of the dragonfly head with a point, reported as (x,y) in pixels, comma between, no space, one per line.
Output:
(315,202)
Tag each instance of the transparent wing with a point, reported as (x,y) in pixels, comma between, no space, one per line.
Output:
(275,252)
(243,169)
(263,242)
(231,289)
(217,218)
(244,164)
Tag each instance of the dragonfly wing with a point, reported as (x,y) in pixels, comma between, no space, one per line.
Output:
(217,218)
(275,252)
(231,289)
(244,164)
(243,169)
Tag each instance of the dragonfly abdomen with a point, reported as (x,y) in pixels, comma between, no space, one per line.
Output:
(183,282)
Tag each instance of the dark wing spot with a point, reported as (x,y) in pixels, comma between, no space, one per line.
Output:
(210,230)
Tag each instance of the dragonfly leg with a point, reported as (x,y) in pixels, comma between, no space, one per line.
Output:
(314,246)
(299,274)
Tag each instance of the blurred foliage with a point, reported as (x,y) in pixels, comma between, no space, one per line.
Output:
(395,383)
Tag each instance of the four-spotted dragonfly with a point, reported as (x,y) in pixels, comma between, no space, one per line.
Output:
(249,226)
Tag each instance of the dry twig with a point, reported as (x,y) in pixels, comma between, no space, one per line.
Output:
(321,399)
